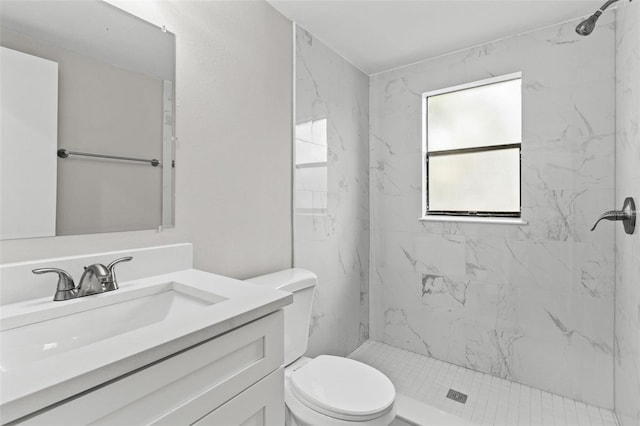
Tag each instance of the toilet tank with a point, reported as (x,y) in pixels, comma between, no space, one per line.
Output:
(301,283)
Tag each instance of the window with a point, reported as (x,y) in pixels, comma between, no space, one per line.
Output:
(472,137)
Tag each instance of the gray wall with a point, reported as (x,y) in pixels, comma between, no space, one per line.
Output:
(233,121)
(627,306)
(531,303)
(332,205)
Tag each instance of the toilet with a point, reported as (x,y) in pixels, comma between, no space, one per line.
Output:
(326,390)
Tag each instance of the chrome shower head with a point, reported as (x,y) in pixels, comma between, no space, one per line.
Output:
(585,27)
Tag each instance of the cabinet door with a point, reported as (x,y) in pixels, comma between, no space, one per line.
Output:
(260,405)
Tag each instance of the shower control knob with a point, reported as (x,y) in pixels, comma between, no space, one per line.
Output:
(627,216)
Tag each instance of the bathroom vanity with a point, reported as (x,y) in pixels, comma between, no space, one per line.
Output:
(178,346)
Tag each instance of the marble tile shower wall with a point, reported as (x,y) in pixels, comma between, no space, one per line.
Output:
(532,303)
(627,307)
(331,230)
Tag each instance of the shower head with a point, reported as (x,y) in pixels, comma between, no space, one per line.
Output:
(585,27)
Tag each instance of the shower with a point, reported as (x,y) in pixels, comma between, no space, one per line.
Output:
(585,27)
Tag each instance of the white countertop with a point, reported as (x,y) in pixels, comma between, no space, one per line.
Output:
(36,385)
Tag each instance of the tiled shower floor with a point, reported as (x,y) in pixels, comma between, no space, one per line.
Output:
(491,400)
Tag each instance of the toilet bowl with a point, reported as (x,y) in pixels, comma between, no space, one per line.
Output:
(326,390)
(336,391)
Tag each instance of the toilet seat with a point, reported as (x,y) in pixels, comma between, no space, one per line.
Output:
(342,388)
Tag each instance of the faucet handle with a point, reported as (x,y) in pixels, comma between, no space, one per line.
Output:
(66,287)
(610,215)
(627,215)
(113,282)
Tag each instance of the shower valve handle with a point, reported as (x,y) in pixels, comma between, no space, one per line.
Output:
(627,216)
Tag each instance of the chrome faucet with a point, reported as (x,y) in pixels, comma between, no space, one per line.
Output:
(95,279)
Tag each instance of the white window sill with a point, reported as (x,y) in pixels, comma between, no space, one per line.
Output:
(471,219)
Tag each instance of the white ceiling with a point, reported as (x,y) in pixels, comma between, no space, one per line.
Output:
(377,35)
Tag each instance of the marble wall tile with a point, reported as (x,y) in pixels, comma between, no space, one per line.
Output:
(531,303)
(331,237)
(627,306)
(336,320)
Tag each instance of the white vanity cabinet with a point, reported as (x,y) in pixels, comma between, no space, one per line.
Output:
(232,379)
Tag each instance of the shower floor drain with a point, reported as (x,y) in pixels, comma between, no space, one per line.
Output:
(457,396)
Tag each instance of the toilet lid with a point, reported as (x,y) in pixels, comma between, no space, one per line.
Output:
(343,388)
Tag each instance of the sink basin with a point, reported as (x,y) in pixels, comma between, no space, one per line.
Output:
(67,326)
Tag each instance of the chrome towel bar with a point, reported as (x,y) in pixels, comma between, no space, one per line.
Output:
(64,153)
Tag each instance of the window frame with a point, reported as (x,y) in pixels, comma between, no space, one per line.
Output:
(427,214)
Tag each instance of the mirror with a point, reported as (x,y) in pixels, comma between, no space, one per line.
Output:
(87,106)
